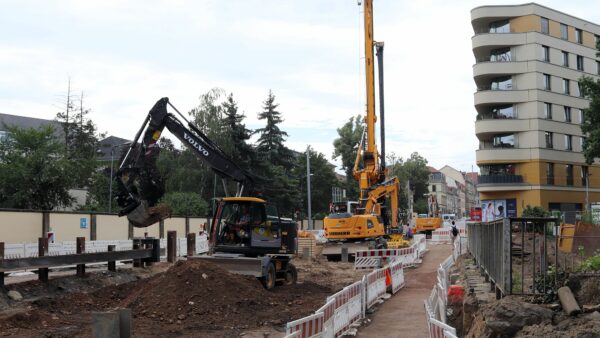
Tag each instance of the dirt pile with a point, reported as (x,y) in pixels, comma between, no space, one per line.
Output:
(192,298)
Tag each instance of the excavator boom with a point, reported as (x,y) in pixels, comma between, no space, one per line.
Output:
(140,183)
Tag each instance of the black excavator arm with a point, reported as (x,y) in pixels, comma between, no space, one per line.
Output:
(140,184)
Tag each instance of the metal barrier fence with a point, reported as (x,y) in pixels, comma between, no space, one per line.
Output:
(489,244)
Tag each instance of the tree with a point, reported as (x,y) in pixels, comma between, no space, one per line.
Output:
(346,147)
(271,139)
(243,152)
(413,170)
(590,126)
(35,172)
(321,182)
(185,203)
(80,138)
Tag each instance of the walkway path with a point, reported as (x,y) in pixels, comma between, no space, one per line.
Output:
(403,315)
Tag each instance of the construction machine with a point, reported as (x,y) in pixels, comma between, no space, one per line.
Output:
(433,220)
(246,235)
(369,224)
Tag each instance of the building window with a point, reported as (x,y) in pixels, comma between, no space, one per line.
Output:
(584,175)
(565,58)
(546,53)
(545,26)
(550,173)
(502,26)
(579,62)
(547,85)
(566,87)
(568,142)
(548,137)
(433,187)
(502,83)
(567,114)
(503,112)
(596,39)
(578,88)
(578,35)
(581,142)
(548,110)
(581,115)
(598,67)
(564,32)
(499,55)
(569,168)
(504,141)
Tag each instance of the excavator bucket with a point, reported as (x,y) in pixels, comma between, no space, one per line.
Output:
(143,216)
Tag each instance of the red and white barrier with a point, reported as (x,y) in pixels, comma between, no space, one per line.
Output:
(307,327)
(440,236)
(375,285)
(438,329)
(397,274)
(421,243)
(348,306)
(377,258)
(328,311)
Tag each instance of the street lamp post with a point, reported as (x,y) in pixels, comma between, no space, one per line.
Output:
(310,224)
(587,191)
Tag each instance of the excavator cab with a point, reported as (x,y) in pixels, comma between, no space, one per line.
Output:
(250,226)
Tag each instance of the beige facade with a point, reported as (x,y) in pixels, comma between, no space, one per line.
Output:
(529,59)
(28,226)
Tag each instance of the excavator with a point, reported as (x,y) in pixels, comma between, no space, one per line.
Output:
(369,225)
(433,220)
(246,235)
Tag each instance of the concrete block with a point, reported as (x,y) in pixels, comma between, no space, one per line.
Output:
(125,322)
(568,302)
(105,325)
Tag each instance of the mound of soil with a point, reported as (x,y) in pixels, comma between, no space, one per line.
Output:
(192,298)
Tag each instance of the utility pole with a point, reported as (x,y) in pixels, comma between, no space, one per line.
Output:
(310,224)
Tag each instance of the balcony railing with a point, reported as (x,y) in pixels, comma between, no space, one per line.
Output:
(500,179)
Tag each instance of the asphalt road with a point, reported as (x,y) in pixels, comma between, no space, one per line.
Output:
(403,315)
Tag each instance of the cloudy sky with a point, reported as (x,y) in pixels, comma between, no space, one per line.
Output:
(124,55)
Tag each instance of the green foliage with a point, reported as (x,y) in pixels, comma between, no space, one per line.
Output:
(590,264)
(242,151)
(420,206)
(590,89)
(413,170)
(321,182)
(281,189)
(536,211)
(516,285)
(35,172)
(98,191)
(80,140)
(271,139)
(547,285)
(185,203)
(346,147)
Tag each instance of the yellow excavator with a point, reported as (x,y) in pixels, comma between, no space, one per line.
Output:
(368,225)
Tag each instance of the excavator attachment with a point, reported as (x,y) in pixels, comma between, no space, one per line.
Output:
(143,215)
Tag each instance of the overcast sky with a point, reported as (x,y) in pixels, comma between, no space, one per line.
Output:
(124,55)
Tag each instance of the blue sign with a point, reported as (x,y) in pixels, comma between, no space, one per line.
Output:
(511,207)
(83,223)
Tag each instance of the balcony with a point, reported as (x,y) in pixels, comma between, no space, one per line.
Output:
(500,179)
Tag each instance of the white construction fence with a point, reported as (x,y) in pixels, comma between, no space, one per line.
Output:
(435,305)
(343,310)
(378,258)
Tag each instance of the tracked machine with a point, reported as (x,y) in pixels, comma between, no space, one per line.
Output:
(369,225)
(246,235)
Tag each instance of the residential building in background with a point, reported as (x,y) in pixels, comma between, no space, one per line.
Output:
(528,61)
(455,191)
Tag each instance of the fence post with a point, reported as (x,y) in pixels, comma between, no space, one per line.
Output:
(171,246)
(80,250)
(93,228)
(344,254)
(506,256)
(1,258)
(129,230)
(187,225)
(43,251)
(191,244)
(45,223)
(112,266)
(137,263)
(161,228)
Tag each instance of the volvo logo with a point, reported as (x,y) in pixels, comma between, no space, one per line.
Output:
(195,144)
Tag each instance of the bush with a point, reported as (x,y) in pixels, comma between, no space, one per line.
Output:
(536,211)
(185,204)
(591,264)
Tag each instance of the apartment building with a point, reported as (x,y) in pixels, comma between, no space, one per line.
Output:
(529,59)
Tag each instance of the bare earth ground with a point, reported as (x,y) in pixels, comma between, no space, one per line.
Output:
(190,299)
(403,315)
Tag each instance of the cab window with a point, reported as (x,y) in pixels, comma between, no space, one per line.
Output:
(369,224)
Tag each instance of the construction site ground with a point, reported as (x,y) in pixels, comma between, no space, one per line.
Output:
(403,315)
(190,298)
